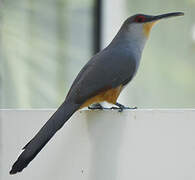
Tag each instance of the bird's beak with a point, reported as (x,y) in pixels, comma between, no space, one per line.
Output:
(168,15)
(154,19)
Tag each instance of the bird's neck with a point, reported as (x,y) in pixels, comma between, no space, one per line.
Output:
(131,40)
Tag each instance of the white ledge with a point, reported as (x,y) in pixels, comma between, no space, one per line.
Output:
(149,144)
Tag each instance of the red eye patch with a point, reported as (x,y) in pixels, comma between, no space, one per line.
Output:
(140,19)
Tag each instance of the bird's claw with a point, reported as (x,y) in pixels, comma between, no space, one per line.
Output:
(100,107)
(122,107)
(96,106)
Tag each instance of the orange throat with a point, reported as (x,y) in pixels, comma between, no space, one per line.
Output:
(147,28)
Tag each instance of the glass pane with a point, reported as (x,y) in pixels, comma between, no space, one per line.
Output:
(165,78)
(43,46)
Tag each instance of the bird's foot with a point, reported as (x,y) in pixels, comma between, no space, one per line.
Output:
(122,107)
(96,106)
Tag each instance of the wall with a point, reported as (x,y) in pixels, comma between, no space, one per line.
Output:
(97,145)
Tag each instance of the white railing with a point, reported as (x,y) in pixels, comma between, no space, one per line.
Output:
(104,145)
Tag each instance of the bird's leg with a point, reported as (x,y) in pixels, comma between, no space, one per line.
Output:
(122,107)
(96,106)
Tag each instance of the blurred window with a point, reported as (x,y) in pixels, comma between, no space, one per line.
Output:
(165,78)
(43,46)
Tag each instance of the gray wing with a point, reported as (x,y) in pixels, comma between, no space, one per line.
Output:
(108,69)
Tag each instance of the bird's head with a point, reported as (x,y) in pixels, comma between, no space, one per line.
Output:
(135,31)
(140,24)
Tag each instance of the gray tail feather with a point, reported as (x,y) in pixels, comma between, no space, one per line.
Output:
(31,149)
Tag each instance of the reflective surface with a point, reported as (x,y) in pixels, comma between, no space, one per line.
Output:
(43,46)
(167,70)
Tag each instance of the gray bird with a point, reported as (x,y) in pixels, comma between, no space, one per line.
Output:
(101,79)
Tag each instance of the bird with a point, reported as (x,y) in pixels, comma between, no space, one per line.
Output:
(101,80)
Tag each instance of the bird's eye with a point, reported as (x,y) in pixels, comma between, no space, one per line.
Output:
(140,19)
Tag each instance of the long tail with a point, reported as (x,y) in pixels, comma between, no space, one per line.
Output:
(31,149)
